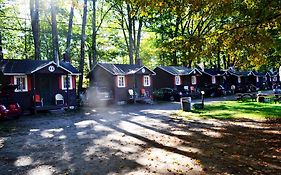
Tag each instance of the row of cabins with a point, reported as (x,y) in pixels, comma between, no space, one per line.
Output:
(120,78)
(45,85)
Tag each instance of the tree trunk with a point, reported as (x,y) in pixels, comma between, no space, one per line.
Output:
(1,47)
(224,62)
(82,56)
(137,49)
(55,39)
(69,32)
(184,60)
(130,31)
(93,59)
(34,13)
(228,60)
(189,58)
(189,63)
(175,61)
(218,59)
(211,63)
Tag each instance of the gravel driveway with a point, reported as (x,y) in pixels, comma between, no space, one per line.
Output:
(130,139)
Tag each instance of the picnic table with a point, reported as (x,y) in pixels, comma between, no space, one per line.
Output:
(245,96)
(264,97)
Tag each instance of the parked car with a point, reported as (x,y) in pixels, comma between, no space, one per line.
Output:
(246,88)
(169,94)
(214,90)
(96,95)
(8,105)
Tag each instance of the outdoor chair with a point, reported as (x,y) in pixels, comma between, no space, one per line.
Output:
(133,95)
(143,93)
(59,99)
(38,100)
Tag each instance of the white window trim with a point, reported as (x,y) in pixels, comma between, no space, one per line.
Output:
(239,79)
(70,82)
(257,79)
(25,86)
(275,78)
(124,82)
(146,83)
(214,81)
(193,80)
(177,80)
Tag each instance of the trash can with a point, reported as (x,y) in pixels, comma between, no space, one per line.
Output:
(186,103)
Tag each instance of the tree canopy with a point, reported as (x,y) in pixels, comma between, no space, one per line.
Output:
(241,33)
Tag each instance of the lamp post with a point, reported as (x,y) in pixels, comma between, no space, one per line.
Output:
(202,98)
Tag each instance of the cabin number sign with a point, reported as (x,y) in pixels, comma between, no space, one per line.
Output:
(51,68)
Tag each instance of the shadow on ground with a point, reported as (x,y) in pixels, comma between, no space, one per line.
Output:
(138,140)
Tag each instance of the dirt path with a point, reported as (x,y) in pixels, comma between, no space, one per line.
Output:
(138,139)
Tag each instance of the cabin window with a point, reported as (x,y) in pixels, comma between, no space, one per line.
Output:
(274,78)
(258,79)
(178,80)
(120,81)
(193,80)
(64,82)
(146,80)
(213,80)
(265,78)
(239,79)
(21,81)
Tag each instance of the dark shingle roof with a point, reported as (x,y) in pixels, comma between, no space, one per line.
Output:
(239,73)
(122,69)
(177,70)
(272,74)
(259,74)
(213,72)
(29,66)
(69,67)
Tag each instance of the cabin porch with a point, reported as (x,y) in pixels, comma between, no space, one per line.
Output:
(52,92)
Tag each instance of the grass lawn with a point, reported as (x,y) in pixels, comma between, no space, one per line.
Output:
(236,110)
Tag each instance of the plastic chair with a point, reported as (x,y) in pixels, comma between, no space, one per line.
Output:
(59,98)
(38,100)
(143,93)
(131,92)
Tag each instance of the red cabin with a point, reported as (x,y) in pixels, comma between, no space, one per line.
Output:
(41,84)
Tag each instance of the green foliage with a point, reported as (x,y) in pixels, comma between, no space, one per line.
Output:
(175,32)
(239,30)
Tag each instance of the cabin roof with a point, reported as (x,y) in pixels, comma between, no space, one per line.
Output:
(122,69)
(213,72)
(259,74)
(272,73)
(12,66)
(178,70)
(69,67)
(239,73)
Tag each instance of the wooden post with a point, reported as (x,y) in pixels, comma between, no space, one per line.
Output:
(67,89)
(33,93)
(135,88)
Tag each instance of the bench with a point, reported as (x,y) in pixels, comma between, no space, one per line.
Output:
(246,96)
